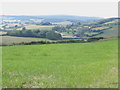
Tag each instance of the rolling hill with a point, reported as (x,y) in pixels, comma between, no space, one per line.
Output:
(106,28)
(55,18)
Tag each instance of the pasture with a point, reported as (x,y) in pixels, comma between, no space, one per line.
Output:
(75,65)
(112,32)
(9,40)
(0,67)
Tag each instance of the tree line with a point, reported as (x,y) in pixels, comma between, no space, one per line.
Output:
(52,35)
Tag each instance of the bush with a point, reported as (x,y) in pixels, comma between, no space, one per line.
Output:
(94,39)
(59,29)
(36,33)
(44,23)
(53,36)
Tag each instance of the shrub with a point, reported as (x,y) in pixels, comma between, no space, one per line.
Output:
(53,36)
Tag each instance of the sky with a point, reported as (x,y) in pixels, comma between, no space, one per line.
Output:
(97,9)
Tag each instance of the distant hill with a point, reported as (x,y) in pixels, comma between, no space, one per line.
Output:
(88,26)
(113,23)
(55,18)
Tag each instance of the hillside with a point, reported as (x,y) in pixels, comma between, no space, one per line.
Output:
(109,27)
(76,65)
(54,18)
(71,27)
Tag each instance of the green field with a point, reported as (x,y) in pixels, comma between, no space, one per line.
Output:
(0,67)
(112,32)
(75,65)
(112,22)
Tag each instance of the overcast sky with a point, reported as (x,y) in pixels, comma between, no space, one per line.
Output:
(97,9)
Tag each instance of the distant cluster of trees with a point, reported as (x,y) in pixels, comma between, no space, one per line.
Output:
(73,29)
(78,29)
(81,32)
(36,33)
(66,28)
(59,29)
(44,23)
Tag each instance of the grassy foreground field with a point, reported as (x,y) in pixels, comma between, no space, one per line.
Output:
(79,65)
(0,66)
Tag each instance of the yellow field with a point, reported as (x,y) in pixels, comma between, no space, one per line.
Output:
(100,28)
(41,27)
(8,40)
(111,22)
(63,23)
(2,32)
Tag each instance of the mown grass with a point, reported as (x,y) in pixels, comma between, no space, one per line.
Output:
(75,65)
(41,27)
